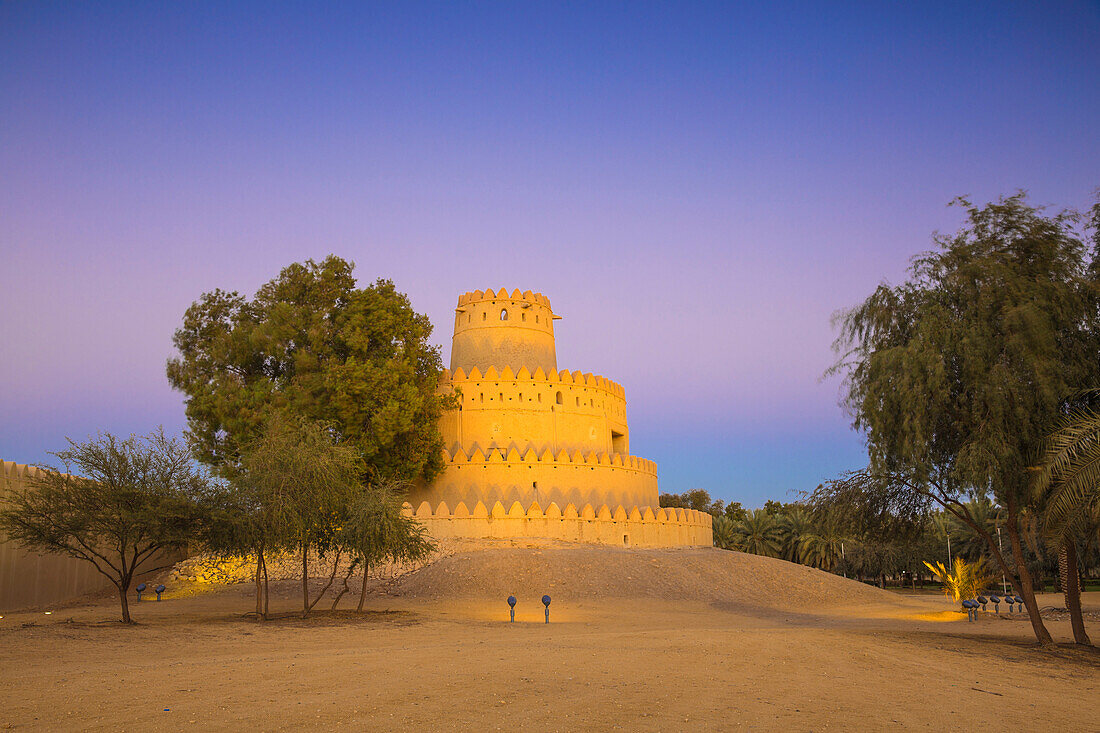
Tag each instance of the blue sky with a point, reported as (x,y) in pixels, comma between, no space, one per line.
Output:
(697,188)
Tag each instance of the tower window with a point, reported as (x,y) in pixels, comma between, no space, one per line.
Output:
(558,398)
(483,315)
(504,314)
(523,316)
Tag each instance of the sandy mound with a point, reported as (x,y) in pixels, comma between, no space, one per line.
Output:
(576,572)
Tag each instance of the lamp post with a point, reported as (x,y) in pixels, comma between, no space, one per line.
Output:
(1001,549)
(949,548)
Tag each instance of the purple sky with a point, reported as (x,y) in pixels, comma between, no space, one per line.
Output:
(696,189)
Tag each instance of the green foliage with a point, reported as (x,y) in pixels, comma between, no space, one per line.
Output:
(377,531)
(357,360)
(293,485)
(725,533)
(1068,479)
(130,501)
(956,376)
(699,500)
(759,533)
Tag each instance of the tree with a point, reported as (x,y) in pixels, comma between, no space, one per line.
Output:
(295,483)
(964,580)
(120,504)
(794,527)
(377,531)
(956,376)
(759,533)
(823,547)
(1068,483)
(725,533)
(310,342)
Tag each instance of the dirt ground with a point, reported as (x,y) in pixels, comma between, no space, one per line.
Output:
(639,640)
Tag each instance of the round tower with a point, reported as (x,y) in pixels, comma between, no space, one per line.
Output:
(495,329)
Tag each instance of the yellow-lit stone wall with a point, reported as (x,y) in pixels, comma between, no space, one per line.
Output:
(527,435)
(636,528)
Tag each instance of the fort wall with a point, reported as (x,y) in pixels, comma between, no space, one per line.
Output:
(541,476)
(31,579)
(642,527)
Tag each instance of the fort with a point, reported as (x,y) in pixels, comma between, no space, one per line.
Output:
(531,451)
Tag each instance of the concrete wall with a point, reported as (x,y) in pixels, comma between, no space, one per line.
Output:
(30,579)
(636,528)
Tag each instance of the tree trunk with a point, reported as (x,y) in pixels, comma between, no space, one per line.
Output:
(1071,588)
(305,579)
(259,583)
(1021,582)
(266,593)
(345,589)
(328,584)
(123,597)
(363,588)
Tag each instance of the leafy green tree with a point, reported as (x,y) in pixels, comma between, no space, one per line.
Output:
(956,376)
(297,481)
(120,504)
(311,342)
(377,531)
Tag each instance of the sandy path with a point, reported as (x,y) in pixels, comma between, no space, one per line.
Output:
(621,663)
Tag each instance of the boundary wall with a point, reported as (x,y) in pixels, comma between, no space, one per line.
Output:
(668,527)
(30,579)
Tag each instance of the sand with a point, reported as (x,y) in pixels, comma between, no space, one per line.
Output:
(640,640)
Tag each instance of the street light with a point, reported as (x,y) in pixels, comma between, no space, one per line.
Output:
(1001,549)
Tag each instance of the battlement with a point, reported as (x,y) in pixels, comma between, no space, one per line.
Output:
(639,527)
(565,377)
(533,455)
(502,294)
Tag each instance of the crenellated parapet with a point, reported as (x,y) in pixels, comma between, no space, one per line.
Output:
(489,294)
(638,526)
(563,377)
(532,455)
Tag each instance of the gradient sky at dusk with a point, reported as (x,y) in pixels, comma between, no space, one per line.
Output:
(697,188)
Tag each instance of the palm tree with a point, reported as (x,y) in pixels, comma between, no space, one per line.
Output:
(725,533)
(823,547)
(759,533)
(1069,481)
(794,525)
